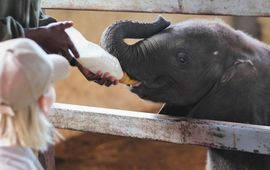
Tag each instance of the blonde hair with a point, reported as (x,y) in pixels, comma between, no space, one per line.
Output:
(29,127)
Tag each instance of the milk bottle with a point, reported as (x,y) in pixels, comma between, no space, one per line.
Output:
(95,58)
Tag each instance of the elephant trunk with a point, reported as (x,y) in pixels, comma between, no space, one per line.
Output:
(130,56)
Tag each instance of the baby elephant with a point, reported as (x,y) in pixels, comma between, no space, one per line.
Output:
(201,69)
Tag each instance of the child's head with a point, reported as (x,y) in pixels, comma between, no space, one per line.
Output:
(27,75)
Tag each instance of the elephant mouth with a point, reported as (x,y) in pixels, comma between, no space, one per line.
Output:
(144,92)
(132,87)
(136,84)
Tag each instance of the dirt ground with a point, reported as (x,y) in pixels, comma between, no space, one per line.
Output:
(88,151)
(102,152)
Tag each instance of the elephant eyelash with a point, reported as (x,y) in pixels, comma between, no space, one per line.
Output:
(182,58)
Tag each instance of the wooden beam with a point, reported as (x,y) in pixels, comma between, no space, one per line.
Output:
(216,134)
(213,7)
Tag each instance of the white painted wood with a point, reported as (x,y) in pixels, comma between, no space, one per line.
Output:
(219,7)
(217,134)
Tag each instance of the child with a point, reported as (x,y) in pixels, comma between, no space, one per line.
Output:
(27,75)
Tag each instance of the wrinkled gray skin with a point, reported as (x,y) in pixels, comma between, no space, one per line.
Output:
(201,69)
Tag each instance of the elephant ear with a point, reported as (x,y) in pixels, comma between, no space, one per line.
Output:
(231,96)
(241,70)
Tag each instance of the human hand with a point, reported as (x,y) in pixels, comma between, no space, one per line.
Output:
(53,39)
(100,78)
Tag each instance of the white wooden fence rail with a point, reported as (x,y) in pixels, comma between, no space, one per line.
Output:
(218,7)
(216,134)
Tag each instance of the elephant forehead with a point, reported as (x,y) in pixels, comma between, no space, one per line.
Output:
(200,23)
(168,40)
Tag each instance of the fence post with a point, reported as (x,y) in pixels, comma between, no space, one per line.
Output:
(47,158)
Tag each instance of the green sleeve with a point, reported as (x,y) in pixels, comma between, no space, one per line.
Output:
(44,19)
(10,28)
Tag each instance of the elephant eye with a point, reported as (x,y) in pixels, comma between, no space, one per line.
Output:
(182,58)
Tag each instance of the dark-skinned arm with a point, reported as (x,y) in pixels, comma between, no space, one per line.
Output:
(99,78)
(53,39)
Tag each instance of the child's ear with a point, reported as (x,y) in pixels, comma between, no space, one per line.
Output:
(43,105)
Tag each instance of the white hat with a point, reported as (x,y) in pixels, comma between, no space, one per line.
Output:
(26,72)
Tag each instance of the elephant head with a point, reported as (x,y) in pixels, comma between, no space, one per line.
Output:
(199,68)
(194,65)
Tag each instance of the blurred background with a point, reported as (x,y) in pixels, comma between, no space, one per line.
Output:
(89,151)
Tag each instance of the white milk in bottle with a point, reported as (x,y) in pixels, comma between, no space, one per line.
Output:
(95,58)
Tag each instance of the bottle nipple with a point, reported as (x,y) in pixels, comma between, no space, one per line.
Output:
(127,80)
